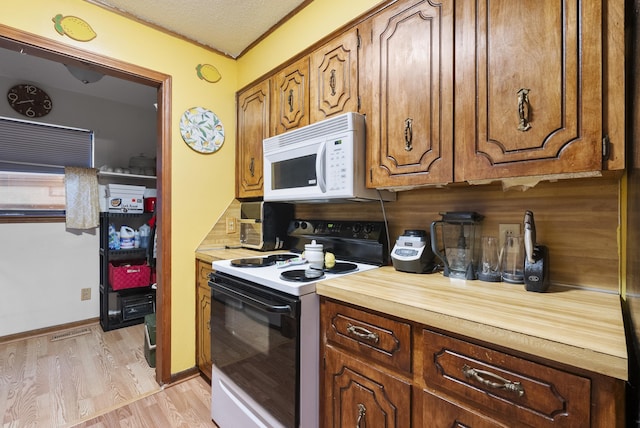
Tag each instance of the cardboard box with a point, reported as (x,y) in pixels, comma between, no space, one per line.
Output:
(126,204)
(126,189)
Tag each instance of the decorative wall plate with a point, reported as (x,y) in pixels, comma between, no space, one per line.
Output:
(201,130)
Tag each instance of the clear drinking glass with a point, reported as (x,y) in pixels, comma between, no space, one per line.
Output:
(489,267)
(513,259)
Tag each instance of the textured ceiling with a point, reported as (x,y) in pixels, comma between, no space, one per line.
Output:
(228,26)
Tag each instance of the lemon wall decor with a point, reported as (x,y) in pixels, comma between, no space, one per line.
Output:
(74,27)
(202,130)
(208,72)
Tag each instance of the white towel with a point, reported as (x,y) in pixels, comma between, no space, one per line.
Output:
(83,205)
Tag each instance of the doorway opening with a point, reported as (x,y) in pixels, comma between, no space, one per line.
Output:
(30,44)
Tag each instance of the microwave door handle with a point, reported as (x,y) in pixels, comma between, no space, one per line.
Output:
(320,167)
(253,301)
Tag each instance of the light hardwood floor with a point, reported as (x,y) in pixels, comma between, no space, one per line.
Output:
(185,404)
(57,383)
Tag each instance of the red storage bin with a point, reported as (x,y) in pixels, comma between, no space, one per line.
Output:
(123,276)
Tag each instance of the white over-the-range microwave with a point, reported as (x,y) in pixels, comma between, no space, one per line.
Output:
(321,162)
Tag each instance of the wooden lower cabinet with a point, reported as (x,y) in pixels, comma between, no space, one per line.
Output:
(361,395)
(449,381)
(450,414)
(203,318)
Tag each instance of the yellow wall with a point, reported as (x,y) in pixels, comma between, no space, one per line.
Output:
(311,24)
(202,185)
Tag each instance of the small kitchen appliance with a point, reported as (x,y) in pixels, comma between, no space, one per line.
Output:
(263,225)
(321,162)
(412,252)
(536,262)
(454,239)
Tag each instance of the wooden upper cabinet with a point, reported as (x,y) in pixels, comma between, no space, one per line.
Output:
(408,86)
(253,127)
(529,88)
(290,101)
(334,77)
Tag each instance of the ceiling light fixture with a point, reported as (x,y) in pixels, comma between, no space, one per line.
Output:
(84,75)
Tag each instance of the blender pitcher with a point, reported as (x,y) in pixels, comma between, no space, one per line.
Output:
(454,239)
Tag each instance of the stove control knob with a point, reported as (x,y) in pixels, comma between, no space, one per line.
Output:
(368,228)
(357,228)
(303,225)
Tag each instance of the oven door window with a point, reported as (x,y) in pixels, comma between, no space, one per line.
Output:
(254,341)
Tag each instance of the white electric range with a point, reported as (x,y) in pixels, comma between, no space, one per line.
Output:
(265,326)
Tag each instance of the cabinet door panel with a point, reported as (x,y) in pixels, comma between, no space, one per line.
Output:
(439,412)
(291,97)
(359,395)
(253,127)
(411,122)
(538,90)
(203,318)
(334,77)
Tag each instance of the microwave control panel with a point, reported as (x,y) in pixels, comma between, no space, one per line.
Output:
(339,159)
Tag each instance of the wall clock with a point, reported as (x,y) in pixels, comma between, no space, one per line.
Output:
(29,100)
(201,130)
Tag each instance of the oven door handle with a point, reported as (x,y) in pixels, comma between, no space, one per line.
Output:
(250,300)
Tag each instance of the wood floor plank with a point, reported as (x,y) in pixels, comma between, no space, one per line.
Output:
(186,404)
(46,383)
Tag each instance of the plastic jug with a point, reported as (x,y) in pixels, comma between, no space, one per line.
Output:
(145,232)
(114,239)
(127,236)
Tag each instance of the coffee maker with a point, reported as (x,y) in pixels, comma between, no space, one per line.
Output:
(455,240)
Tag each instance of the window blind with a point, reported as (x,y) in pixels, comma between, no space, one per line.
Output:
(43,148)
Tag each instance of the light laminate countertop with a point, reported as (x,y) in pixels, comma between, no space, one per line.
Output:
(573,326)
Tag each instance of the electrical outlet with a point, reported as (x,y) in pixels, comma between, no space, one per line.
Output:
(85,294)
(231,225)
(513,229)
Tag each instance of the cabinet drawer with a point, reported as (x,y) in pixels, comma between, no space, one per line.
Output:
(372,336)
(500,384)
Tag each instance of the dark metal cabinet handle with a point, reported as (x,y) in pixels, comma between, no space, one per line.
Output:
(252,167)
(501,383)
(290,100)
(408,134)
(524,110)
(363,333)
(361,422)
(332,82)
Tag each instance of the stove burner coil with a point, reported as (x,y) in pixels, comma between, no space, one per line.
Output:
(298,275)
(261,261)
